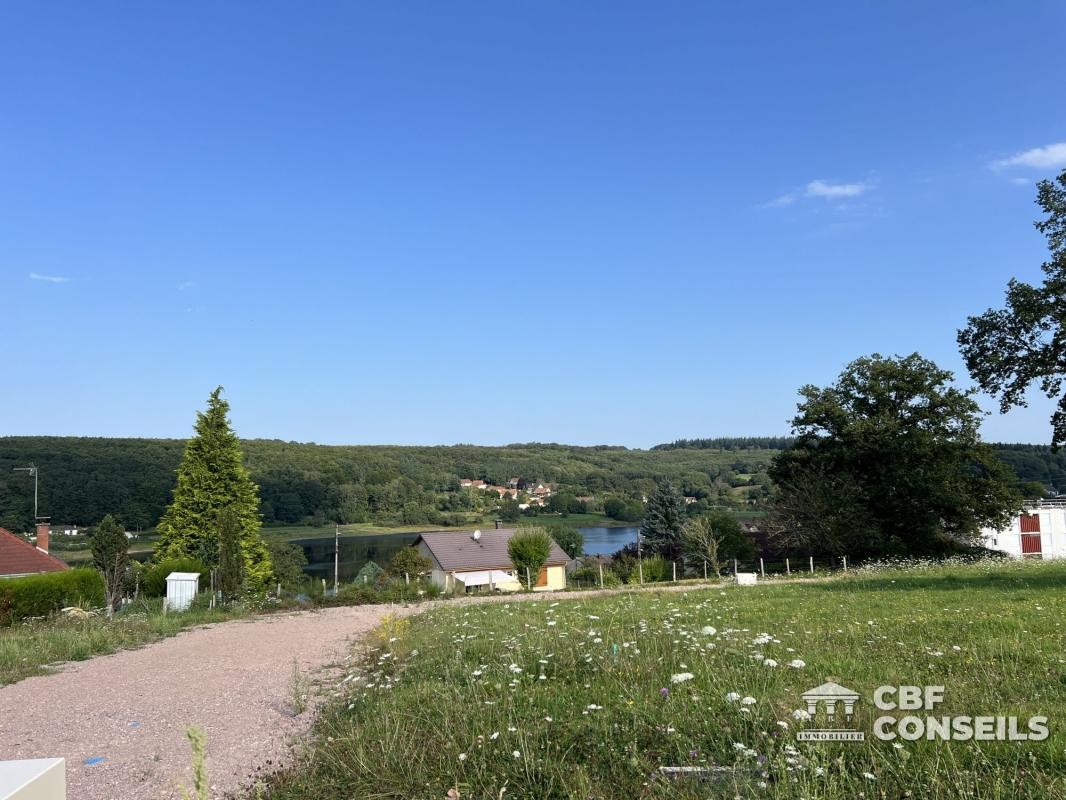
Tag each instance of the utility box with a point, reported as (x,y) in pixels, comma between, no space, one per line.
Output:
(33,779)
(747,579)
(181,589)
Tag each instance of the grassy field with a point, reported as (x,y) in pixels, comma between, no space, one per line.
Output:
(590,697)
(27,648)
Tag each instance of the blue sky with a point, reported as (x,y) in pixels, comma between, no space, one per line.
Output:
(487,222)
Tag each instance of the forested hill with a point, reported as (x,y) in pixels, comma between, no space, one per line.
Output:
(82,479)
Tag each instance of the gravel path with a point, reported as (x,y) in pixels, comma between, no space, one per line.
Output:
(132,708)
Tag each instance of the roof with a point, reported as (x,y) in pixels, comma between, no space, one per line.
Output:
(183,576)
(19,557)
(457,550)
(829,690)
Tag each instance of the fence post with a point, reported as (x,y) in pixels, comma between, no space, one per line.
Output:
(812,565)
(601,574)
(407,578)
(762,570)
(674,564)
(845,563)
(529,581)
(788,570)
(735,568)
(705,569)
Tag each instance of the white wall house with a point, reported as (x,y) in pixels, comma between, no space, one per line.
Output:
(1038,532)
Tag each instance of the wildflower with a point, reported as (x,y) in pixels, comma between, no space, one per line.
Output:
(770,662)
(801,715)
(462,756)
(517,754)
(732,697)
(548,719)
(709,630)
(681,677)
(797,663)
(869,776)
(594,707)
(495,736)
(664,692)
(515,668)
(748,701)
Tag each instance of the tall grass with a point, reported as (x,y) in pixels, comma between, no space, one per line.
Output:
(27,648)
(590,697)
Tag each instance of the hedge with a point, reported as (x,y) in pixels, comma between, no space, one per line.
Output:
(154,577)
(44,594)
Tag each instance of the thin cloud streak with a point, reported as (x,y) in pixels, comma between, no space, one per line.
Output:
(34,276)
(821,188)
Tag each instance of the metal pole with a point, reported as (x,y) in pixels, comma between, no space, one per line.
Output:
(787,568)
(735,569)
(705,569)
(601,574)
(336,556)
(674,564)
(812,565)
(32,470)
(762,570)
(845,563)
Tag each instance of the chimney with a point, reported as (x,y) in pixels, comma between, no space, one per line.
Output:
(42,536)
(499,524)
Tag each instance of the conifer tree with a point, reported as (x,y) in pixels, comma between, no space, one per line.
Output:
(664,518)
(110,550)
(230,563)
(212,479)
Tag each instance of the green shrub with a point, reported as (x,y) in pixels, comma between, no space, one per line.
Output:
(656,569)
(368,575)
(154,579)
(410,562)
(44,594)
(528,549)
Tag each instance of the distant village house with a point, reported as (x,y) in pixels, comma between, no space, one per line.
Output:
(19,557)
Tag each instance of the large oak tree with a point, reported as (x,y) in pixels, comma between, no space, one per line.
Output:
(888,460)
(1010,349)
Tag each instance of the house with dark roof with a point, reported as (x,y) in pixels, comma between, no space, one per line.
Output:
(464,561)
(19,558)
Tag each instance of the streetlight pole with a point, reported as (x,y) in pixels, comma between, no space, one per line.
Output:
(336,556)
(32,470)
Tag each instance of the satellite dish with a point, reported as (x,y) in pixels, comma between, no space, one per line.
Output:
(477,536)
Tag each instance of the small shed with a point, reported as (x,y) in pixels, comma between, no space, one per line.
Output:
(181,589)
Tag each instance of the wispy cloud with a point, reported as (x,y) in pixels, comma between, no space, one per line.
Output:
(34,276)
(1051,156)
(185,285)
(821,188)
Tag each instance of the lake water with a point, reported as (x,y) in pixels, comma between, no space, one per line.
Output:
(357,550)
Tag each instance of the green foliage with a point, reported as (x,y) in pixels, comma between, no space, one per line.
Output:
(409,561)
(212,479)
(369,574)
(231,566)
(110,549)
(289,561)
(664,516)
(528,549)
(568,538)
(655,569)
(44,594)
(888,461)
(623,509)
(154,577)
(1011,349)
(716,538)
(198,741)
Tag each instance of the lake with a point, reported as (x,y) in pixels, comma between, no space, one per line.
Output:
(357,550)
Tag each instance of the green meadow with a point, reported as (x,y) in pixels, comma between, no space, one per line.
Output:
(591,697)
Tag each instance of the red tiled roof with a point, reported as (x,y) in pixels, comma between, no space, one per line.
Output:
(457,550)
(19,557)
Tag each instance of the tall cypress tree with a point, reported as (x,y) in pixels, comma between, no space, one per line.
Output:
(664,518)
(212,480)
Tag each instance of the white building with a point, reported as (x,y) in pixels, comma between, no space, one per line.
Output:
(1038,532)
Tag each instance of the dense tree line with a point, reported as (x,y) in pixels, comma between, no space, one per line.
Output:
(83,479)
(730,443)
